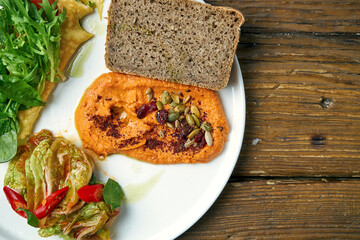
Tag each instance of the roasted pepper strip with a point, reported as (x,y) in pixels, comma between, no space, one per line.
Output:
(16,201)
(50,203)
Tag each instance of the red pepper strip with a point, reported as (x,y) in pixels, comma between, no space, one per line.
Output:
(16,201)
(51,202)
(91,193)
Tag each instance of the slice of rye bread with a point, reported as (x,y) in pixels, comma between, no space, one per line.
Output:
(181,41)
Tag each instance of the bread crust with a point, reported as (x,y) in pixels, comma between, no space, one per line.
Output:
(114,56)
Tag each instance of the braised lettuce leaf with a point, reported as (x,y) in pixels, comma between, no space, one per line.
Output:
(90,220)
(47,164)
(15,174)
(35,174)
(69,167)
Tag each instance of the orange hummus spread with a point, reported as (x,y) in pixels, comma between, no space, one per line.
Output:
(151,120)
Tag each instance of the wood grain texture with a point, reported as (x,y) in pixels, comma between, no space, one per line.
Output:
(309,16)
(300,62)
(282,209)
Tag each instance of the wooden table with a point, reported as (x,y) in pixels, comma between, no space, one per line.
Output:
(298,174)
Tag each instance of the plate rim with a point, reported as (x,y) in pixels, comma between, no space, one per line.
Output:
(210,203)
(174,230)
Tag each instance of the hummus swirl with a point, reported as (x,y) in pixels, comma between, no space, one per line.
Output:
(107,121)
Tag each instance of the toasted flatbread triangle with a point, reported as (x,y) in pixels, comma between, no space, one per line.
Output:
(96,3)
(72,34)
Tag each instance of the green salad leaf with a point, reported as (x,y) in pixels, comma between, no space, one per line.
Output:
(47,232)
(29,55)
(93,180)
(31,219)
(15,175)
(35,174)
(54,164)
(8,138)
(73,169)
(113,194)
(89,222)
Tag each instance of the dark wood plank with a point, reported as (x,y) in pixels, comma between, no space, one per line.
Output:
(314,16)
(301,66)
(283,209)
(303,102)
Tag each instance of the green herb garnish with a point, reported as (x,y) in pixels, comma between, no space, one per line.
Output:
(29,55)
(113,194)
(31,219)
(92,4)
(92,179)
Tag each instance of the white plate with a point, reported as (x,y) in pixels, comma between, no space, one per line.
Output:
(163,201)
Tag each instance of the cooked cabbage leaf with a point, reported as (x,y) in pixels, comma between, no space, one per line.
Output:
(47,164)
(15,174)
(54,164)
(35,174)
(69,167)
(90,220)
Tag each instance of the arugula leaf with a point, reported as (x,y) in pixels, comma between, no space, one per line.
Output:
(31,219)
(29,55)
(113,194)
(2,69)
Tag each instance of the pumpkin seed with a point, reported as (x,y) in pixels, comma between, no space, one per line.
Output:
(186,99)
(177,124)
(187,110)
(195,110)
(149,93)
(189,142)
(190,120)
(173,104)
(119,111)
(181,117)
(173,116)
(171,110)
(170,125)
(181,108)
(196,120)
(175,97)
(206,126)
(159,105)
(149,90)
(208,138)
(123,115)
(161,134)
(165,97)
(193,133)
